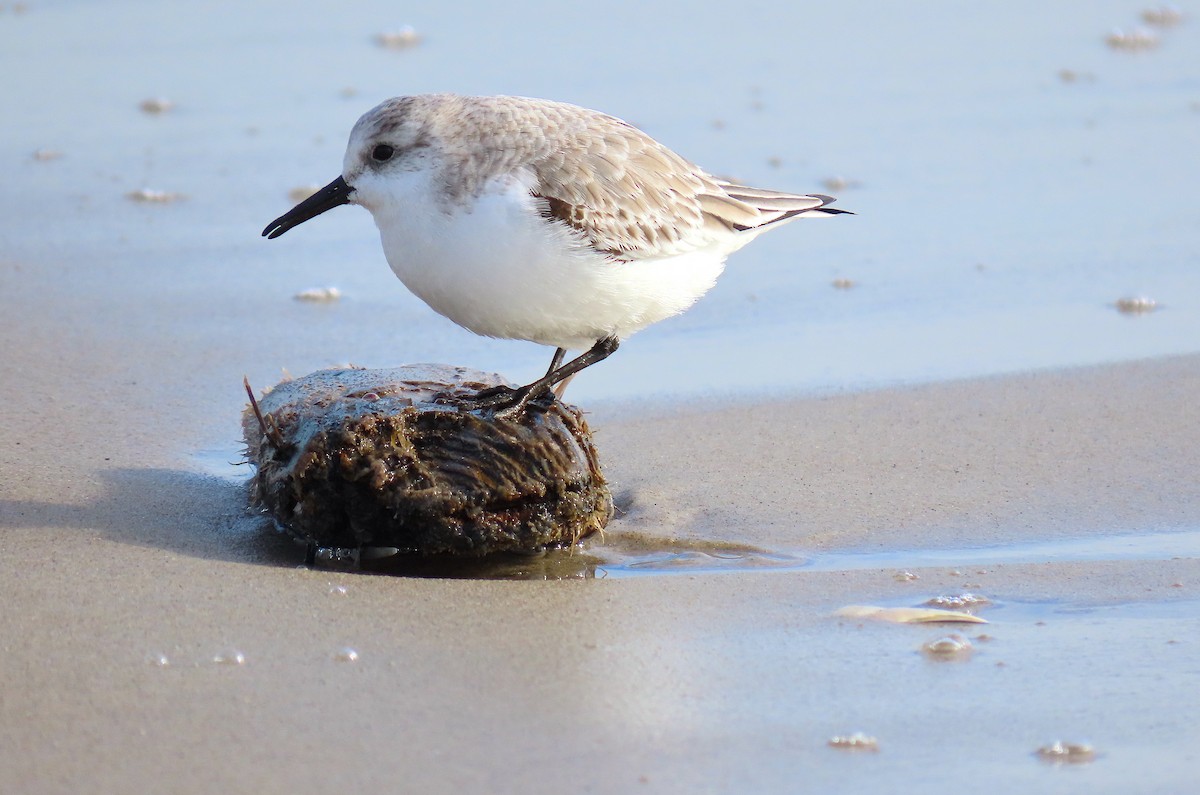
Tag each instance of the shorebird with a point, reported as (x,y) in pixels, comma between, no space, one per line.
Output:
(536,220)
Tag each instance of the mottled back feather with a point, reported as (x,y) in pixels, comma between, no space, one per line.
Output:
(623,192)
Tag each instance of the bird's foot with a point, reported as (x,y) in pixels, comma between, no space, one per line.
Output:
(493,397)
(506,402)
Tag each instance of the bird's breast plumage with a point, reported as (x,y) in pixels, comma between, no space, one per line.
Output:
(495,265)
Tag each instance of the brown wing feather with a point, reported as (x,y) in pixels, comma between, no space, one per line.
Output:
(628,196)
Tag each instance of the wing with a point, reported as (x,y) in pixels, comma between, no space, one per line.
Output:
(626,194)
(631,198)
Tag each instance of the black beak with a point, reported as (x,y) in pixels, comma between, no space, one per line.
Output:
(334,194)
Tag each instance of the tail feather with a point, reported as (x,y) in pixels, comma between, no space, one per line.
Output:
(744,208)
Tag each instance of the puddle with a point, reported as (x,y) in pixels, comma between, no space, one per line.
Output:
(552,564)
(1024,611)
(616,556)
(645,556)
(1130,546)
(634,554)
(621,555)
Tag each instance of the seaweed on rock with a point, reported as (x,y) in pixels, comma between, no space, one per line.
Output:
(354,458)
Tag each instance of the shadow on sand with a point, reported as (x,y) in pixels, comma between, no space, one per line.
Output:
(206,516)
(193,514)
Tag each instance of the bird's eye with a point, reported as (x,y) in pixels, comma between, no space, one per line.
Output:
(383,153)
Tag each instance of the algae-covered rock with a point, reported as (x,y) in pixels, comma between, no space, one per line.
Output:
(355,459)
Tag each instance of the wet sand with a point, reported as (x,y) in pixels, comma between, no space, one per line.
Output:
(781,451)
(717,681)
(1044,456)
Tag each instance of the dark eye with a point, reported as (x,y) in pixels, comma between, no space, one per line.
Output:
(382,153)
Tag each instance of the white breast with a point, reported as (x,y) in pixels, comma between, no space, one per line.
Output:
(499,269)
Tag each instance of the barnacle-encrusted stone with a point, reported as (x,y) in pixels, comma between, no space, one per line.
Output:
(355,458)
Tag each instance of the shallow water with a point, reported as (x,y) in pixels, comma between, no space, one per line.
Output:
(1002,210)
(621,555)
(678,558)
(1130,546)
(640,558)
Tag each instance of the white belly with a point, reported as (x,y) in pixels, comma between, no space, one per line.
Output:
(501,270)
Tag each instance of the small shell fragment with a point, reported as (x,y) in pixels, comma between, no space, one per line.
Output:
(319,294)
(346,655)
(906,576)
(43,155)
(401,39)
(854,742)
(148,196)
(840,183)
(844,284)
(962,601)
(156,105)
(230,658)
(1136,305)
(908,615)
(1136,40)
(1071,753)
(1164,16)
(1074,76)
(950,647)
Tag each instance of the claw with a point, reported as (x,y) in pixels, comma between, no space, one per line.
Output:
(493,395)
(507,403)
(504,401)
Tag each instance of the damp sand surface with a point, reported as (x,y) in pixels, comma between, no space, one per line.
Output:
(984,383)
(152,628)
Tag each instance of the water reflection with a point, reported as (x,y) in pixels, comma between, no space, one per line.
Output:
(610,556)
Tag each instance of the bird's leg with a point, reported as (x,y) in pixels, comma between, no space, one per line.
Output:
(597,353)
(510,405)
(556,362)
(561,386)
(485,396)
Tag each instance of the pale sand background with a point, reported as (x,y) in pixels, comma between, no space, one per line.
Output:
(1001,212)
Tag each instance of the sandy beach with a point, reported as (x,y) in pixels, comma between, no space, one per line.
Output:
(966,411)
(718,679)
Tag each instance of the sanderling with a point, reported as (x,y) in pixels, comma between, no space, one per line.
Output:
(536,220)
